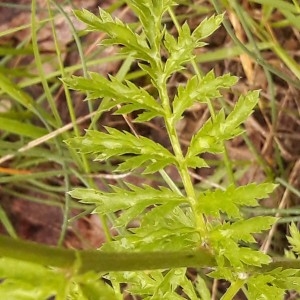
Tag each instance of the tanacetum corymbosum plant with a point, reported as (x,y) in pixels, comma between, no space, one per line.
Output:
(176,225)
(171,218)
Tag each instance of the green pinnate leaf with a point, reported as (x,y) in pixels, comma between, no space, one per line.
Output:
(200,90)
(118,32)
(116,143)
(229,201)
(164,227)
(128,94)
(225,239)
(120,199)
(211,137)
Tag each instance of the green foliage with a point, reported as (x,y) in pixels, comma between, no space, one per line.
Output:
(157,285)
(158,219)
(201,90)
(30,281)
(272,285)
(166,219)
(129,95)
(181,50)
(211,137)
(134,200)
(21,278)
(230,200)
(117,143)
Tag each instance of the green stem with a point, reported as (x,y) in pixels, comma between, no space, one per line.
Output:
(102,261)
(94,260)
(182,167)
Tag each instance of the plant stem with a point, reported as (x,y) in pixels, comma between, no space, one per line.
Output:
(99,261)
(95,260)
(182,167)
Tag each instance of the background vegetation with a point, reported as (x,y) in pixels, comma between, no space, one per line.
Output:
(39,44)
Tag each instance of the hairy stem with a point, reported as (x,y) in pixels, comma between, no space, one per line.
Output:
(94,260)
